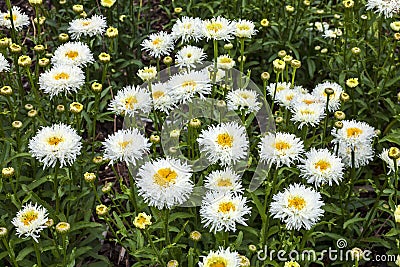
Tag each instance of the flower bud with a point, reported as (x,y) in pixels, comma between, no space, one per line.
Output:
(174,133)
(221,103)
(348,3)
(195,236)
(265,76)
(289,8)
(396,36)
(329,91)
(279,120)
(147,73)
(43,62)
(96,87)
(356,50)
(252,248)
(352,82)
(24,61)
(16,124)
(397,214)
(28,106)
(38,48)
(112,32)
(264,23)
(195,123)
(5,42)
(394,152)
(228,46)
(279,65)
(63,37)
(104,57)
(89,177)
(344,97)
(101,210)
(178,10)
(6,91)
(14,48)
(155,139)
(63,227)
(295,63)
(77,8)
(3,232)
(340,115)
(244,261)
(324,50)
(173,263)
(75,107)
(142,220)
(98,160)
(60,108)
(32,113)
(287,58)
(49,223)
(338,124)
(8,172)
(107,188)
(168,60)
(282,53)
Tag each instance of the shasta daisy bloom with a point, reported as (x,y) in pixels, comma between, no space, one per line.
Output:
(297,206)
(189,56)
(285,97)
(96,25)
(243,99)
(280,149)
(389,162)
(223,181)
(226,143)
(126,145)
(164,183)
(309,115)
(353,133)
(305,99)
(388,8)
(272,87)
(131,100)
(321,167)
(222,257)
(187,28)
(363,154)
(4,65)
(334,99)
(245,29)
(163,99)
(20,19)
(56,143)
(225,62)
(61,79)
(218,28)
(73,53)
(222,211)
(158,44)
(30,221)
(185,86)
(147,73)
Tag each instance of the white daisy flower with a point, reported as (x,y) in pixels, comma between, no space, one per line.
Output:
(334,99)
(222,211)
(363,154)
(218,28)
(131,100)
(163,99)
(187,28)
(297,206)
(158,44)
(56,143)
(389,162)
(225,62)
(309,115)
(221,258)
(96,25)
(147,73)
(223,181)
(4,65)
(185,86)
(61,79)
(30,221)
(126,145)
(321,27)
(243,99)
(226,143)
(20,19)
(164,183)
(189,56)
(272,87)
(73,53)
(353,133)
(280,149)
(285,97)
(321,167)
(305,99)
(245,29)
(388,8)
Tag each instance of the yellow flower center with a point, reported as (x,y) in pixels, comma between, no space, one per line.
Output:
(354,132)
(28,217)
(297,202)
(289,97)
(244,95)
(224,182)
(54,140)
(61,76)
(322,165)
(214,27)
(226,207)
(308,101)
(242,27)
(306,112)
(225,60)
(187,26)
(124,144)
(282,145)
(130,102)
(7,17)
(280,88)
(141,220)
(189,84)
(158,94)
(189,55)
(86,23)
(216,261)
(71,54)
(225,140)
(157,41)
(165,176)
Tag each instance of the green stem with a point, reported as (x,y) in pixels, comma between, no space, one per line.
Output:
(10,251)
(37,252)
(56,189)
(326,120)
(241,55)
(154,247)
(64,248)
(166,223)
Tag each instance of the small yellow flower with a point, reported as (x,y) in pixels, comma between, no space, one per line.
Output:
(5,42)
(244,261)
(155,139)
(142,220)
(24,61)
(7,172)
(195,123)
(63,227)
(178,10)
(348,3)
(35,2)
(289,9)
(352,82)
(107,3)
(265,76)
(42,19)
(295,63)
(173,263)
(112,32)
(264,23)
(104,57)
(76,107)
